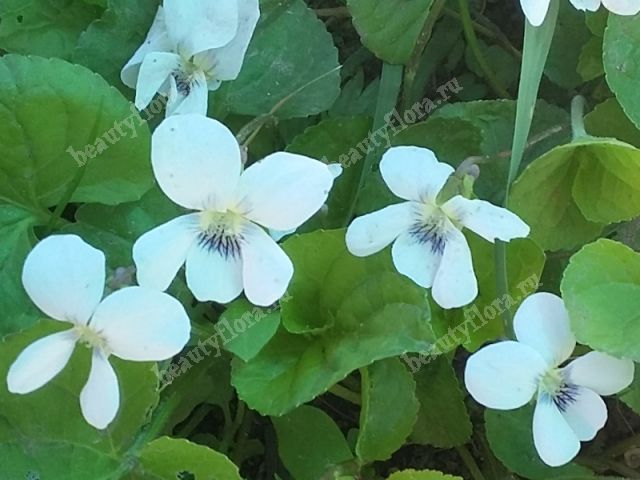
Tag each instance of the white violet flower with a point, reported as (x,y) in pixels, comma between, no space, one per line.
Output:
(428,244)
(192,46)
(65,278)
(536,10)
(197,163)
(569,409)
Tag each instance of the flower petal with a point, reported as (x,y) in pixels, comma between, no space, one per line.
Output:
(415,259)
(229,59)
(100,397)
(196,161)
(195,101)
(485,219)
(535,10)
(504,375)
(142,325)
(157,41)
(622,7)
(64,276)
(159,253)
(542,322)
(372,232)
(586,414)
(40,362)
(555,440)
(455,284)
(212,276)
(155,71)
(266,269)
(602,373)
(590,5)
(414,173)
(198,25)
(284,190)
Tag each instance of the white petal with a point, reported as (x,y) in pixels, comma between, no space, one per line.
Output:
(284,190)
(372,232)
(586,413)
(157,41)
(485,219)
(504,375)
(590,5)
(415,259)
(335,169)
(40,362)
(196,161)
(195,101)
(542,321)
(535,10)
(602,373)
(159,253)
(414,173)
(455,284)
(228,60)
(278,235)
(100,397)
(155,71)
(141,324)
(622,7)
(64,276)
(198,25)
(554,439)
(212,277)
(266,269)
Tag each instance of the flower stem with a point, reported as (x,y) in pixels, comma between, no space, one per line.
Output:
(474,45)
(65,199)
(577,117)
(346,394)
(470,462)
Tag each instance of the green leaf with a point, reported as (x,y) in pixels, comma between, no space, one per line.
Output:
(335,141)
(310,443)
(631,396)
(443,420)
(53,115)
(16,239)
(609,120)
(389,409)
(109,42)
(171,458)
(511,440)
(390,28)
(421,475)
(601,289)
(590,65)
(570,36)
(622,62)
(371,312)
(253,328)
(31,437)
(114,229)
(297,79)
(48,28)
(579,187)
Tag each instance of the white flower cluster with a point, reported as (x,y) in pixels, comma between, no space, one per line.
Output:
(193,46)
(536,10)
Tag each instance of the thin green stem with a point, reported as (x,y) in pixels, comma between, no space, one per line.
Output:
(346,394)
(470,462)
(474,45)
(231,432)
(421,44)
(390,84)
(65,199)
(577,117)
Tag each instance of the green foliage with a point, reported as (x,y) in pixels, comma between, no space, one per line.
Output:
(308,80)
(580,187)
(310,443)
(604,307)
(390,28)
